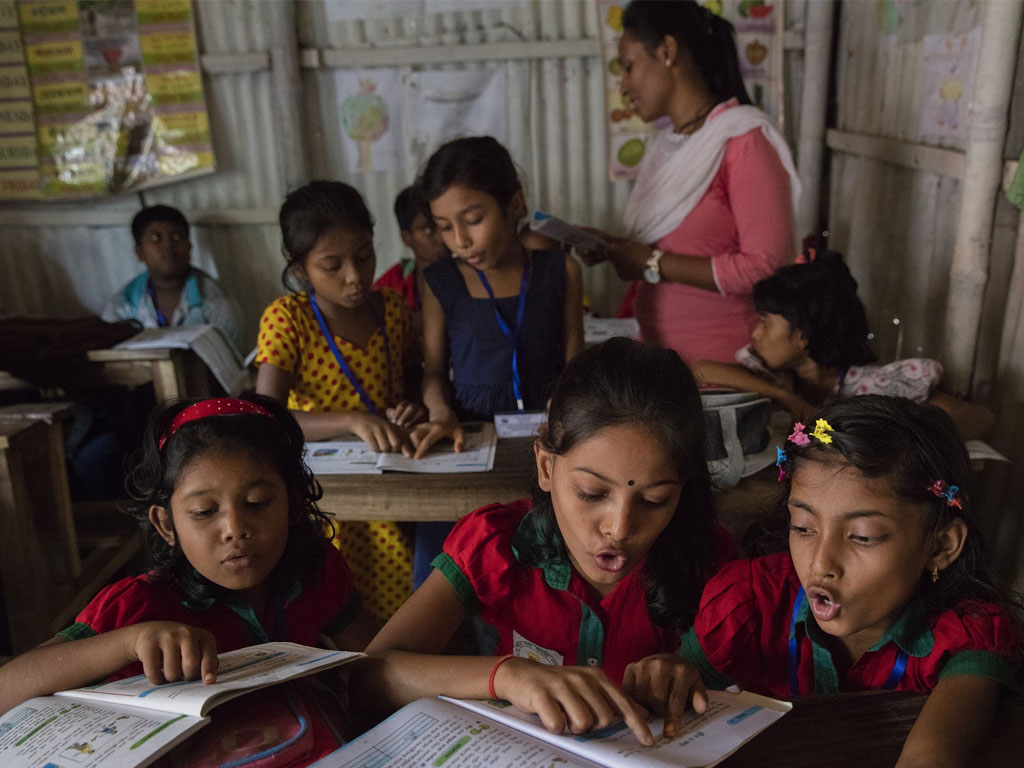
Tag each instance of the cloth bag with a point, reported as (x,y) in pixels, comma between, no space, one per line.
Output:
(737,435)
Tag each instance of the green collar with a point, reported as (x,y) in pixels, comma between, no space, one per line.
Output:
(558,570)
(242,608)
(408,267)
(910,630)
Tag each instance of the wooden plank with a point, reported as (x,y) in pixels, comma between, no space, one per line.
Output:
(338,58)
(234,63)
(921,157)
(97,569)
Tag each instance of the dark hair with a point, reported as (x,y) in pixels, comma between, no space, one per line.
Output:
(819,299)
(314,209)
(153,213)
(476,162)
(710,39)
(278,441)
(621,382)
(409,204)
(908,446)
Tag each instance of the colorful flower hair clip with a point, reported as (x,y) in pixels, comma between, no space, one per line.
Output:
(950,493)
(821,430)
(807,257)
(798,436)
(780,461)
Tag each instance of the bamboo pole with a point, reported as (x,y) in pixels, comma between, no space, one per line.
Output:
(813,103)
(286,84)
(983,162)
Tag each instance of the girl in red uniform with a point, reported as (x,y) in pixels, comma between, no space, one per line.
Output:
(603,569)
(239,558)
(884,585)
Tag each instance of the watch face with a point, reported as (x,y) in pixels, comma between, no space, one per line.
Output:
(652,275)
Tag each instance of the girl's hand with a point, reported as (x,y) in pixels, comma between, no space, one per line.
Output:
(579,699)
(426,434)
(170,651)
(379,433)
(629,258)
(406,413)
(666,685)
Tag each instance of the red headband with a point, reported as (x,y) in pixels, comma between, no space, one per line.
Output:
(217,406)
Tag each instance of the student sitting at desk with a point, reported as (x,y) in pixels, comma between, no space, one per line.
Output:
(171,292)
(240,557)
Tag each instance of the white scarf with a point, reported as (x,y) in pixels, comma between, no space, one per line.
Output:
(678,169)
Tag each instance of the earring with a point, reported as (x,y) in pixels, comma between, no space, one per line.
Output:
(668,62)
(935,574)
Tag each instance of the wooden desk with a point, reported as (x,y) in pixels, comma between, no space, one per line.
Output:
(865,730)
(173,372)
(408,496)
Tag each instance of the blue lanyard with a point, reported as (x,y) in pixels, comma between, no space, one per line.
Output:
(512,334)
(344,366)
(898,667)
(161,319)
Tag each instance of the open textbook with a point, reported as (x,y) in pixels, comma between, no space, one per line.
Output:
(131,722)
(206,341)
(354,457)
(468,734)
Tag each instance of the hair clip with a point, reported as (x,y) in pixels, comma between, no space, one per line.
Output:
(807,257)
(798,436)
(948,492)
(821,430)
(781,458)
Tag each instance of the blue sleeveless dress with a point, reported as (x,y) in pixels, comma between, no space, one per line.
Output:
(481,354)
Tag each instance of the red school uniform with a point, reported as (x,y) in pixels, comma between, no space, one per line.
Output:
(323,603)
(743,630)
(402,278)
(548,612)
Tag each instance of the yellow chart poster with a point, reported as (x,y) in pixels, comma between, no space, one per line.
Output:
(99,97)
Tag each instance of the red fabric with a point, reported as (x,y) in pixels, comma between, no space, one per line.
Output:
(406,286)
(743,629)
(135,599)
(517,599)
(744,223)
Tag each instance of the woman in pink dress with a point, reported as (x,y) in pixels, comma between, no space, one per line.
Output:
(712,209)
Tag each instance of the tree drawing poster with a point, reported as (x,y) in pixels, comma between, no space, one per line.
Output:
(370,114)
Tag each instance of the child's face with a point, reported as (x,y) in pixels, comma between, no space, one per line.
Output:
(475,227)
(613,495)
(340,267)
(776,343)
(230,518)
(858,550)
(424,240)
(165,250)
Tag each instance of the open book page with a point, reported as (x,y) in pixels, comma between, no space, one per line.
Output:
(979,450)
(354,457)
(430,732)
(58,731)
(730,720)
(206,341)
(240,671)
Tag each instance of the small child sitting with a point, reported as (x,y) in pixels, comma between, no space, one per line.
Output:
(171,292)
(810,347)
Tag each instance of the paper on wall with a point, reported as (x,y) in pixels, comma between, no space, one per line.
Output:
(370,115)
(949,64)
(446,105)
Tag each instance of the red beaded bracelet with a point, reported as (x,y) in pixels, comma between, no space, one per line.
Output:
(494,671)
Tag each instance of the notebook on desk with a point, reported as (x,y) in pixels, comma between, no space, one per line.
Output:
(209,345)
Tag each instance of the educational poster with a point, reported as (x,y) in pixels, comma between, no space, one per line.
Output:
(447,105)
(949,64)
(758,26)
(115,92)
(370,104)
(627,133)
(19,161)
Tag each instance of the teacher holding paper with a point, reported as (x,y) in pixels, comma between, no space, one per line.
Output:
(712,209)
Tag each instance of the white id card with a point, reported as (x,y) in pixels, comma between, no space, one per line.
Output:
(519,424)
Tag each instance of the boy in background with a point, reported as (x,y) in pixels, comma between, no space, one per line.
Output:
(171,292)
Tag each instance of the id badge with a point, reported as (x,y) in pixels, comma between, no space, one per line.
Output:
(519,424)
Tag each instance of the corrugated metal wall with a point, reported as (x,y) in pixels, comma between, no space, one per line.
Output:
(897,226)
(555,129)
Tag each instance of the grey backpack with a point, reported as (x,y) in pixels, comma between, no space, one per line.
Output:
(738,440)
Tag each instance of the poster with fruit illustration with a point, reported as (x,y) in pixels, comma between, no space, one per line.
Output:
(949,64)
(108,93)
(370,105)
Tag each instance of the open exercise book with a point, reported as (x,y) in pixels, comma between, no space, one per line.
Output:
(132,722)
(206,341)
(354,457)
(469,734)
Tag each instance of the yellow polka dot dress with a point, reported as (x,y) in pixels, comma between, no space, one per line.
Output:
(378,553)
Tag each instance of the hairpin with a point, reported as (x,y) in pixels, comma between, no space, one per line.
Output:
(781,459)
(821,430)
(948,492)
(798,436)
(807,256)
